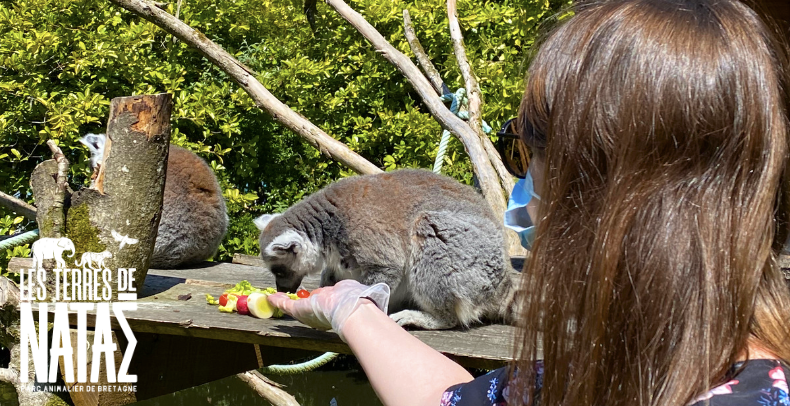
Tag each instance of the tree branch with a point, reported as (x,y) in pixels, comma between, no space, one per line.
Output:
(422,57)
(474,96)
(440,87)
(263,98)
(267,389)
(59,221)
(17,206)
(486,175)
(470,82)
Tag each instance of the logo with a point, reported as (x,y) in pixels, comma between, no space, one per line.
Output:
(87,288)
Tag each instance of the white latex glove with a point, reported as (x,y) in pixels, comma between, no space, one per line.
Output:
(330,307)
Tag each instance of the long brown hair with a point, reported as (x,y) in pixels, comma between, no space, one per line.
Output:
(667,127)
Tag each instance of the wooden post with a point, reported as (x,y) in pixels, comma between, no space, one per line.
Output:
(121,212)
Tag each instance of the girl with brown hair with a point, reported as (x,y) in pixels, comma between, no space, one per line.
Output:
(653,279)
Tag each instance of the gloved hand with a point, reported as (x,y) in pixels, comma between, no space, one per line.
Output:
(330,307)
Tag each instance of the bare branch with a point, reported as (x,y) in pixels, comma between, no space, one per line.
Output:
(17,206)
(240,74)
(504,176)
(422,57)
(474,96)
(486,175)
(63,168)
(470,82)
(178,16)
(267,389)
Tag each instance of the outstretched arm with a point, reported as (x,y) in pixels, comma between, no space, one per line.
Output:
(402,369)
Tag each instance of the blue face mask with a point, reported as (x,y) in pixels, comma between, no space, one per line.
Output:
(516,216)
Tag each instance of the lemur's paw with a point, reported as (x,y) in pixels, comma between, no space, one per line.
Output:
(423,320)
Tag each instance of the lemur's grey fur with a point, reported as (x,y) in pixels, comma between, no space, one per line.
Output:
(434,241)
(194,219)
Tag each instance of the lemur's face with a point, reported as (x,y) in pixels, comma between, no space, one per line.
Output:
(287,253)
(286,278)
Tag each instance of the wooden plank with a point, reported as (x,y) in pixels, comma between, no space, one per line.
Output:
(243,259)
(160,312)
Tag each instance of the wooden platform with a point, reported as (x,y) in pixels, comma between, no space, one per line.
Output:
(160,312)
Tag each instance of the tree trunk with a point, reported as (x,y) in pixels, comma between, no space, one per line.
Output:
(121,212)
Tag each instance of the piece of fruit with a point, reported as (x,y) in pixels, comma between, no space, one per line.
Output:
(223,300)
(241,305)
(302,294)
(259,306)
(230,306)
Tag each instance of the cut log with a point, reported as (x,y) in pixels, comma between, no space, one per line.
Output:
(121,212)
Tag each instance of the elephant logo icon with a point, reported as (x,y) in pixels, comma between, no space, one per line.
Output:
(51,248)
(89,258)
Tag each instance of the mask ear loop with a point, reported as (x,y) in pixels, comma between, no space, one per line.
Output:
(532,183)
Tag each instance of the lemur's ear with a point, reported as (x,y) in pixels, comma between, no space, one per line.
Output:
(262,221)
(93,141)
(289,242)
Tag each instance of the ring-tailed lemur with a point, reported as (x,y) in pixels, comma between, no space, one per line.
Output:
(434,241)
(194,219)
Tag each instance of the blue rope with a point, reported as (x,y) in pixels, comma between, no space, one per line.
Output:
(19,239)
(457,100)
(299,368)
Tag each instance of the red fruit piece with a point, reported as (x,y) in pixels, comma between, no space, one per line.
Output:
(223,300)
(241,306)
(302,294)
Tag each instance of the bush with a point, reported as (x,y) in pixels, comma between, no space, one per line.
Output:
(62,61)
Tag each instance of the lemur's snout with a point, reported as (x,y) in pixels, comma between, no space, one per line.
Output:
(287,288)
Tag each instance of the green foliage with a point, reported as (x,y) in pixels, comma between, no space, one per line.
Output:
(62,61)
(10,225)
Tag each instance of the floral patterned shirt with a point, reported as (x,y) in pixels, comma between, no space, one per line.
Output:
(759,382)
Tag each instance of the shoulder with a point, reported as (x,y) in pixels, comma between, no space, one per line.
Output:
(757,382)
